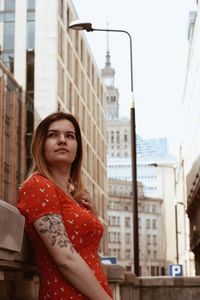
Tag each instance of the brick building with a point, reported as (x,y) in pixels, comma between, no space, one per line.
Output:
(12,127)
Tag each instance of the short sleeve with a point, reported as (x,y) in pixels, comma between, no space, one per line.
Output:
(38,197)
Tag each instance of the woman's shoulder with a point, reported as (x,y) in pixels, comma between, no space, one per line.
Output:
(37,180)
(38,196)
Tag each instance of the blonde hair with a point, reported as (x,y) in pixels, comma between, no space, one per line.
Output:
(39,164)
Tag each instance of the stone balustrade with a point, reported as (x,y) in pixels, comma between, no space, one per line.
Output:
(126,286)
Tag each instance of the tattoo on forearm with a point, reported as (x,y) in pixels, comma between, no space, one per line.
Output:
(54,227)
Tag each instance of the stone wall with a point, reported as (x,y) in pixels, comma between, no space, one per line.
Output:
(18,273)
(162,288)
(126,286)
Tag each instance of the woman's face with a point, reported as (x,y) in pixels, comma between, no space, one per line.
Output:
(61,144)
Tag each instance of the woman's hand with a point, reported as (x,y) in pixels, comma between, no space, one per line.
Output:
(86,201)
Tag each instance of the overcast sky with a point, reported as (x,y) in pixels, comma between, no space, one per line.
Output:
(160,47)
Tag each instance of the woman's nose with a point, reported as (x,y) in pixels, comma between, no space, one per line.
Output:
(62,138)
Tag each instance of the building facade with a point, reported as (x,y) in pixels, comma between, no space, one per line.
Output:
(12,124)
(191,142)
(120,229)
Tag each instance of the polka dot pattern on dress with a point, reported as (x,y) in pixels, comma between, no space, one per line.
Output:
(38,197)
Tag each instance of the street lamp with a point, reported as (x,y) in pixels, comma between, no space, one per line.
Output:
(77,25)
(175,205)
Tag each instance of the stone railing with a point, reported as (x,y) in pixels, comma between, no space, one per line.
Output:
(18,274)
(11,229)
(126,286)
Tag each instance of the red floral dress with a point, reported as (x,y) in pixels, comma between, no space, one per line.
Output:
(38,197)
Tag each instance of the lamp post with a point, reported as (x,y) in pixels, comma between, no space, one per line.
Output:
(77,25)
(175,204)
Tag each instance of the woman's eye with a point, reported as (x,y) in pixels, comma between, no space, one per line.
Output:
(71,136)
(51,134)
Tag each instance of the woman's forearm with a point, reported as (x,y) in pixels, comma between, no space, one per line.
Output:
(74,268)
(78,273)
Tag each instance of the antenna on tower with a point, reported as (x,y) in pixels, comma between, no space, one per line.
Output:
(107,52)
(107,27)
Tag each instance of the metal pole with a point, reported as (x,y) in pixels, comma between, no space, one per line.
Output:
(136,260)
(135,198)
(176,228)
(176,216)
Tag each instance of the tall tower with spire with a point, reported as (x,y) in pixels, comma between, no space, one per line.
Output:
(108,74)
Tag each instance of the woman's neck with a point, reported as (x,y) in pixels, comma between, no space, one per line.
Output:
(61,175)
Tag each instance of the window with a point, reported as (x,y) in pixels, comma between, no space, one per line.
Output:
(112,136)
(154,224)
(114,221)
(30,4)
(147,223)
(139,223)
(154,240)
(125,137)
(9,4)
(128,254)
(153,208)
(147,208)
(128,238)
(118,253)
(114,237)
(148,238)
(127,222)
(118,137)
(30,34)
(9,29)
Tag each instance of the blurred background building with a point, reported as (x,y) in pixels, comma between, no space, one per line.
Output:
(190,156)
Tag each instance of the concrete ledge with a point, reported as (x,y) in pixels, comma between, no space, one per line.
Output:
(114,272)
(131,278)
(167,281)
(162,288)
(12,230)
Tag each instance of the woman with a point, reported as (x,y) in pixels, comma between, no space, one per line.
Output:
(60,217)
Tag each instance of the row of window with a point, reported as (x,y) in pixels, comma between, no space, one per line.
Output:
(151,240)
(116,137)
(119,206)
(151,224)
(117,146)
(117,253)
(120,187)
(150,188)
(148,177)
(120,154)
(115,237)
(115,221)
(116,167)
(148,208)
(152,270)
(152,254)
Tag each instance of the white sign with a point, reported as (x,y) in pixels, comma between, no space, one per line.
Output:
(176,270)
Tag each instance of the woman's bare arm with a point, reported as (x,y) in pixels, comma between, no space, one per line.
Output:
(52,232)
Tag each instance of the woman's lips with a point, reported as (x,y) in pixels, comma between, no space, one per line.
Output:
(61,149)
